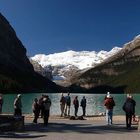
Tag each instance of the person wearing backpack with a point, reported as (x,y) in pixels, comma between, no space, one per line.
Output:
(67,105)
(129,108)
(46,106)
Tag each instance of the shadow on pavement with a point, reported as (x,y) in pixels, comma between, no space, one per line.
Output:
(79,128)
(39,130)
(19,135)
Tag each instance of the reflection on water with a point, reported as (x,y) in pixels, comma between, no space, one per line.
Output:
(94,103)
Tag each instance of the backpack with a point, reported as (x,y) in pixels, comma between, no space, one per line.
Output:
(128,107)
(68,100)
(83,102)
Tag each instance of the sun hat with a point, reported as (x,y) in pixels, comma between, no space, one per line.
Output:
(108,96)
(19,95)
(108,93)
(129,96)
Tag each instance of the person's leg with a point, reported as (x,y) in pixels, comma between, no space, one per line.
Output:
(107,116)
(68,110)
(111,115)
(46,117)
(18,112)
(83,108)
(84,111)
(127,119)
(35,118)
(15,112)
(61,108)
(76,111)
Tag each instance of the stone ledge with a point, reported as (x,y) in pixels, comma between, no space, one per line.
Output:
(11,123)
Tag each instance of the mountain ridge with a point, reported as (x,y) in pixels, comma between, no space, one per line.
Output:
(65,64)
(16,71)
(118,73)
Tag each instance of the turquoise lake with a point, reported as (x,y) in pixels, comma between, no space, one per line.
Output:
(94,103)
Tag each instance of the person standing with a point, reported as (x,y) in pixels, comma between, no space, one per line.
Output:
(83,105)
(62,104)
(18,106)
(76,105)
(67,105)
(36,110)
(46,105)
(129,108)
(109,103)
(1,104)
(41,105)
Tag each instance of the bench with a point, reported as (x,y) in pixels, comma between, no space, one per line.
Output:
(11,123)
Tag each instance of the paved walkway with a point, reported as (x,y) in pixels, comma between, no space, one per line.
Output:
(74,130)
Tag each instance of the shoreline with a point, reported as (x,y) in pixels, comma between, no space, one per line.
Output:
(90,117)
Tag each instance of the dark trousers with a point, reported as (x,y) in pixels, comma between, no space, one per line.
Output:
(17,112)
(46,116)
(128,120)
(84,111)
(76,111)
(41,111)
(36,116)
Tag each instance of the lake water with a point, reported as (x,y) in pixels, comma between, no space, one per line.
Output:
(94,103)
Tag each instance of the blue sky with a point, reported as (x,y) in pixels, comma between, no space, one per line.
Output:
(51,26)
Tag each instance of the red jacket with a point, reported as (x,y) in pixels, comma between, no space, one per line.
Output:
(109,103)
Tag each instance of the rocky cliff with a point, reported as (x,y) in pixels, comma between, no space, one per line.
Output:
(16,72)
(39,69)
(119,73)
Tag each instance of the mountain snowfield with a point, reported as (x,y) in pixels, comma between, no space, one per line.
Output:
(69,60)
(81,60)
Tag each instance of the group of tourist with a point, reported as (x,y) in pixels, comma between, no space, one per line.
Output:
(128,107)
(41,107)
(65,104)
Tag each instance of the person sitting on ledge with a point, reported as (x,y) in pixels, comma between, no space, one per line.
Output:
(18,106)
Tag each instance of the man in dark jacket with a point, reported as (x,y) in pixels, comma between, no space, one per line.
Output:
(129,108)
(46,106)
(83,105)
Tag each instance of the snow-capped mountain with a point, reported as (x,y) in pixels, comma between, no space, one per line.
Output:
(71,61)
